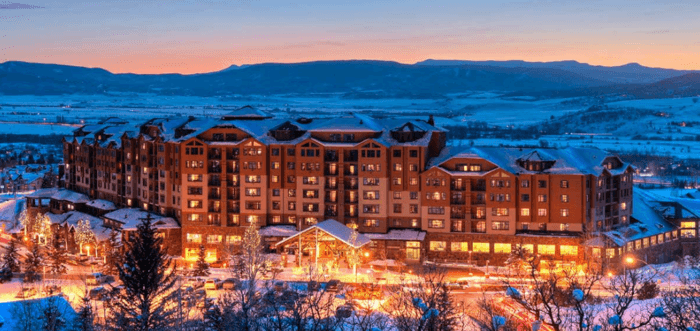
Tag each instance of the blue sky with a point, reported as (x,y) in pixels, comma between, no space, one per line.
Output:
(155,36)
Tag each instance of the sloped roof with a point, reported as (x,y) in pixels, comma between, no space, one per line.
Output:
(70,196)
(249,112)
(131,217)
(398,234)
(278,231)
(335,229)
(570,160)
(101,204)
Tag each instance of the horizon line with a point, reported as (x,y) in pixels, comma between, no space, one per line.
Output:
(345,60)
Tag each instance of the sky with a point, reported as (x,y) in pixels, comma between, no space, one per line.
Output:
(194,36)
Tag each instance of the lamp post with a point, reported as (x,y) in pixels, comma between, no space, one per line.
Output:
(631,260)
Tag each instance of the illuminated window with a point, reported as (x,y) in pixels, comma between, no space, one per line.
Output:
(542,212)
(194,178)
(564,198)
(233,240)
(459,246)
(564,212)
(525,212)
(501,225)
(436,224)
(481,247)
(546,249)
(194,203)
(438,246)
(214,239)
(568,250)
(610,253)
(499,248)
(194,238)
(623,206)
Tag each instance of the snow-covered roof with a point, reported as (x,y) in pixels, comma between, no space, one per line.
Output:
(43,193)
(10,209)
(335,229)
(60,194)
(248,112)
(278,231)
(398,234)
(570,160)
(131,217)
(101,204)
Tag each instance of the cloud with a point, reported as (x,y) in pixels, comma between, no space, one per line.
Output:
(14,5)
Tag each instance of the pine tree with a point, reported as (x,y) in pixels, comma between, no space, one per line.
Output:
(148,277)
(11,258)
(51,317)
(57,259)
(33,264)
(85,319)
(214,319)
(112,254)
(202,267)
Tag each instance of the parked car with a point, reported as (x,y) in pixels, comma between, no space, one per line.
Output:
(344,311)
(25,292)
(96,279)
(334,285)
(212,284)
(230,284)
(99,293)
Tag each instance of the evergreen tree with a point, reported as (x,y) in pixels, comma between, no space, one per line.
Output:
(112,254)
(85,319)
(11,258)
(51,317)
(33,264)
(148,277)
(214,319)
(202,267)
(57,259)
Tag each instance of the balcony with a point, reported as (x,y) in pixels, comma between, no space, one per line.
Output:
(232,221)
(351,173)
(479,188)
(458,188)
(349,186)
(331,213)
(214,222)
(215,169)
(214,209)
(331,186)
(234,210)
(214,182)
(458,201)
(215,196)
(350,200)
(348,214)
(459,216)
(214,156)
(232,183)
(231,156)
(478,217)
(232,170)
(479,202)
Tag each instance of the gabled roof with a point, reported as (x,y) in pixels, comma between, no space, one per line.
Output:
(247,112)
(131,217)
(335,229)
(59,194)
(398,234)
(101,204)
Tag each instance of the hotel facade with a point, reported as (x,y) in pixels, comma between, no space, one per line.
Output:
(398,181)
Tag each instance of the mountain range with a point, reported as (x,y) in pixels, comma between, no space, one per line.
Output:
(361,79)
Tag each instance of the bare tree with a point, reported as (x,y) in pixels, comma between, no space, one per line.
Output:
(682,303)
(625,312)
(425,305)
(490,317)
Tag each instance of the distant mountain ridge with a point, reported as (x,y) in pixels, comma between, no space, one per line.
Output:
(354,79)
(631,73)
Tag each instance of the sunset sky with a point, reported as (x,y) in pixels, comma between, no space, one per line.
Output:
(192,36)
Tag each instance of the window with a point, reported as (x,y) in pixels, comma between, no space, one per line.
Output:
(397,195)
(525,183)
(413,167)
(524,211)
(564,227)
(252,205)
(252,192)
(610,253)
(525,197)
(436,224)
(413,195)
(371,223)
(413,153)
(292,193)
(194,178)
(291,205)
(564,212)
(413,209)
(398,167)
(688,230)
(370,195)
(194,190)
(623,206)
(459,246)
(541,198)
(413,181)
(481,247)
(397,180)
(542,183)
(564,198)
(436,210)
(194,217)
(194,238)
(499,212)
(397,153)
(252,179)
(542,212)
(370,181)
(370,209)
(526,248)
(564,184)
(214,239)
(438,246)
(194,203)
(397,208)
(275,192)
(499,248)
(310,194)
(546,249)
(500,225)
(568,250)
(233,240)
